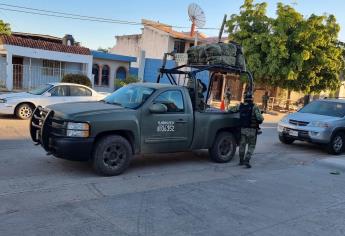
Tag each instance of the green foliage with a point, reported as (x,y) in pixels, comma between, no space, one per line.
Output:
(106,50)
(77,79)
(129,80)
(289,51)
(5,28)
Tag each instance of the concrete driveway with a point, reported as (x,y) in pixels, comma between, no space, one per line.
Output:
(289,191)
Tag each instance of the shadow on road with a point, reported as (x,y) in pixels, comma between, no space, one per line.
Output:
(8,117)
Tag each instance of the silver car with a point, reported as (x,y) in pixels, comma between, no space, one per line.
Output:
(321,122)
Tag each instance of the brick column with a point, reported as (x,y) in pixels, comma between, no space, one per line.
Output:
(99,75)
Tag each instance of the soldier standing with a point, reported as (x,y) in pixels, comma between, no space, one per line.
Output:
(265,98)
(251,117)
(228,96)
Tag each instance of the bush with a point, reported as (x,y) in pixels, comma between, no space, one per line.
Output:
(77,79)
(129,80)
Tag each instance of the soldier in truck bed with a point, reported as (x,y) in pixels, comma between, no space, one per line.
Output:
(251,117)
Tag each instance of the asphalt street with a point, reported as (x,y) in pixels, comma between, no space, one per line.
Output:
(289,191)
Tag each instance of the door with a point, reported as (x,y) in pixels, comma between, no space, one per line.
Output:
(80,94)
(170,131)
(17,72)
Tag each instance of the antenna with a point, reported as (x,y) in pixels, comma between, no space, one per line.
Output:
(222,29)
(196,16)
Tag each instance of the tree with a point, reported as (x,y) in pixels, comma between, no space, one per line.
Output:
(129,80)
(251,28)
(289,51)
(5,28)
(77,79)
(106,50)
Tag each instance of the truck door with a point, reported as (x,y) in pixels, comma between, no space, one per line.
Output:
(170,131)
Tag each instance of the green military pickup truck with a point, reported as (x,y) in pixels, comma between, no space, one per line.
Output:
(139,118)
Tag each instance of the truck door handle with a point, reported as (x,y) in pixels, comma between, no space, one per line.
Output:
(181,121)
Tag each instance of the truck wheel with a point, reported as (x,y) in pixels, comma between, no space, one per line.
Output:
(24,111)
(223,148)
(286,140)
(112,155)
(337,143)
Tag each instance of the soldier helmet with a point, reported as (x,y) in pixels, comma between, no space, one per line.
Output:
(248,97)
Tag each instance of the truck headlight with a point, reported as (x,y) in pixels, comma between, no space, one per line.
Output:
(280,128)
(320,124)
(78,129)
(3,100)
(285,119)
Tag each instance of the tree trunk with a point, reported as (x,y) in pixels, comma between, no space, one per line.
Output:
(288,100)
(306,99)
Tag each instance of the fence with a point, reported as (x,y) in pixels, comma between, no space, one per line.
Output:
(27,77)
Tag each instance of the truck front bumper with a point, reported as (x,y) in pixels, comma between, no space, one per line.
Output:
(75,149)
(304,133)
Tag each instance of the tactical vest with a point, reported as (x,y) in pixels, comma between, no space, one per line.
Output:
(247,116)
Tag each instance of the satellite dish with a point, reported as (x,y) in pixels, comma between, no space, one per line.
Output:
(196,16)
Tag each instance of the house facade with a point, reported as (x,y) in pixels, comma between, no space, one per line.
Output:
(107,68)
(29,60)
(158,38)
(155,40)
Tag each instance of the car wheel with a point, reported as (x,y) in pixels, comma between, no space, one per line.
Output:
(223,148)
(336,145)
(24,111)
(285,139)
(112,155)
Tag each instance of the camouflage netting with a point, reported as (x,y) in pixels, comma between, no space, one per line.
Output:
(217,53)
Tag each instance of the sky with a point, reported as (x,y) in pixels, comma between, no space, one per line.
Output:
(174,12)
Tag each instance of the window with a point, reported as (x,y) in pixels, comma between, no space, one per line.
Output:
(52,68)
(95,72)
(325,108)
(79,91)
(172,99)
(105,75)
(121,73)
(40,90)
(129,96)
(179,46)
(59,91)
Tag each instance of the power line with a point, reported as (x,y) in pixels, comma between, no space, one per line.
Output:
(57,14)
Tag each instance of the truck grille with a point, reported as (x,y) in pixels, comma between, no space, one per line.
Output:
(301,133)
(40,126)
(298,123)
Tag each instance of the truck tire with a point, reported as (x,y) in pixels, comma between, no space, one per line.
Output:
(285,140)
(223,148)
(337,144)
(112,155)
(24,111)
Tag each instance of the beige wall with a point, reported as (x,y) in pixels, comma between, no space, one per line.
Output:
(154,42)
(128,46)
(114,65)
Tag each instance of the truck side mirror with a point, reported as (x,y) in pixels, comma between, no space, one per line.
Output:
(158,108)
(47,94)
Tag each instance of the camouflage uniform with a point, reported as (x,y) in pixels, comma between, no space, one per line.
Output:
(248,135)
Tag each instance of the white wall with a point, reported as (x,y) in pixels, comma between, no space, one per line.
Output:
(73,61)
(155,43)
(127,45)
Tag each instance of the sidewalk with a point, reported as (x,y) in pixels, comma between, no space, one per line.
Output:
(273,116)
